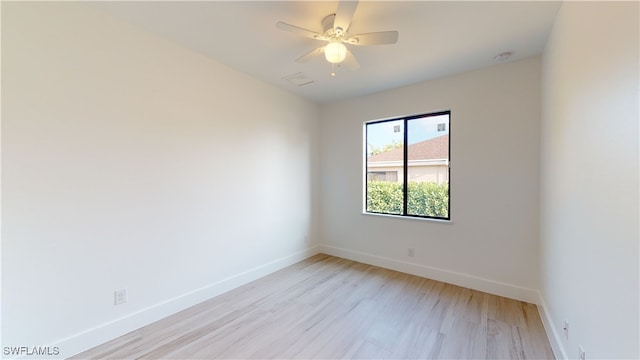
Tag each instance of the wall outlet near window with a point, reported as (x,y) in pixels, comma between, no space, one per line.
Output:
(410,252)
(581,354)
(119,297)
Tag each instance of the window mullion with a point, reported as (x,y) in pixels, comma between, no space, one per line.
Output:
(405,169)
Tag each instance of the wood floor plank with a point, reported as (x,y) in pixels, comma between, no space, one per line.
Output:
(331,308)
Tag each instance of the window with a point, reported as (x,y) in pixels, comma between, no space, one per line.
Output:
(382,175)
(407,166)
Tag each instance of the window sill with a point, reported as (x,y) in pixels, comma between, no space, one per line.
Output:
(442,221)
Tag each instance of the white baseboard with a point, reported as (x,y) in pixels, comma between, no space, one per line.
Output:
(450,277)
(100,334)
(550,329)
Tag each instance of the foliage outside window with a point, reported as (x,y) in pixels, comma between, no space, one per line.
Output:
(407,166)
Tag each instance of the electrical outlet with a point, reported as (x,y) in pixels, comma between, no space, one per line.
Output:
(410,252)
(119,297)
(565,329)
(581,354)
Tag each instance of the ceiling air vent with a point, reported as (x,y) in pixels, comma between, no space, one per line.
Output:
(502,57)
(298,79)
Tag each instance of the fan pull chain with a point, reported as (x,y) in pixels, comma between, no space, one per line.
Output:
(333,69)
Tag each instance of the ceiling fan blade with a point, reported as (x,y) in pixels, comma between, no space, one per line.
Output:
(300,31)
(344,14)
(350,61)
(310,55)
(376,38)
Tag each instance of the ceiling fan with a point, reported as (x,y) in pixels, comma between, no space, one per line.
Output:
(335,31)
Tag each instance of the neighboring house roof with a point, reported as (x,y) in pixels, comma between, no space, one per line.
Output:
(436,148)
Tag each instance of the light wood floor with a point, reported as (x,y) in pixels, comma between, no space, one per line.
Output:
(327,307)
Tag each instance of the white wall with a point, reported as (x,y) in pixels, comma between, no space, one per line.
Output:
(589,189)
(492,242)
(129,162)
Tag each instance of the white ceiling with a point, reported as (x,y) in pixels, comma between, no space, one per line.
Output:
(437,38)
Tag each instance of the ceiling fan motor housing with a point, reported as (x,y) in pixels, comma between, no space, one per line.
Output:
(327,26)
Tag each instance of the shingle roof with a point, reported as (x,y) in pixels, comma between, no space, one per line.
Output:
(436,148)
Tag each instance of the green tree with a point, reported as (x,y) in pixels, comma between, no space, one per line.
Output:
(388,147)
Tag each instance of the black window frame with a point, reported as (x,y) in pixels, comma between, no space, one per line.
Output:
(405,168)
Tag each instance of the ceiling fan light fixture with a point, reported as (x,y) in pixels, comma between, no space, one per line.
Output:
(335,34)
(335,52)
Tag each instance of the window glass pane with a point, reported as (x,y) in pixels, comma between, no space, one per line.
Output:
(385,161)
(428,166)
